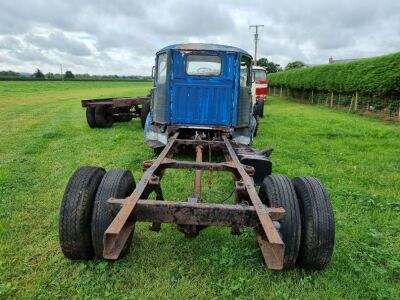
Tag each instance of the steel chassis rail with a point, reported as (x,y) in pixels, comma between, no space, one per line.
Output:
(115,102)
(192,216)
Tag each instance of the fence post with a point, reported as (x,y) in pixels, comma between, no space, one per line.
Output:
(351,103)
(331,99)
(281,92)
(312,96)
(399,112)
(356,102)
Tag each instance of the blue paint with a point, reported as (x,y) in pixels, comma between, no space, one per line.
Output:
(199,100)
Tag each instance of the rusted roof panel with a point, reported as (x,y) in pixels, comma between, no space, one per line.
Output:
(203,46)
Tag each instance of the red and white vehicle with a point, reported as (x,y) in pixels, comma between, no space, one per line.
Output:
(260,89)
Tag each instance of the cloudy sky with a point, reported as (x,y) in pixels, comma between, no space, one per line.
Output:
(121,36)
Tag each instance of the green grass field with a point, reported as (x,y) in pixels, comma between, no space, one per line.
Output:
(44,138)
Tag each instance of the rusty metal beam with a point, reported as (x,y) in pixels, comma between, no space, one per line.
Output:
(272,253)
(198,142)
(204,214)
(115,102)
(273,244)
(181,164)
(120,228)
(197,174)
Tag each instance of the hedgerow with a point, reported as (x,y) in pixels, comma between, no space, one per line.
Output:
(378,76)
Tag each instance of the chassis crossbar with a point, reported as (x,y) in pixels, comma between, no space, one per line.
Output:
(192,215)
(186,213)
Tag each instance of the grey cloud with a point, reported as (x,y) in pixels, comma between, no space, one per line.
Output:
(124,34)
(59,41)
(9,43)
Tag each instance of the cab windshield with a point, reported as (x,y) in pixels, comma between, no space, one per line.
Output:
(203,65)
(260,75)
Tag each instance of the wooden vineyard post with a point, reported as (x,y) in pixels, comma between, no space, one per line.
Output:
(312,96)
(356,102)
(351,103)
(331,99)
(399,112)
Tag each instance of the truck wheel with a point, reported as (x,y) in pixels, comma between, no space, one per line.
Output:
(261,109)
(144,112)
(257,126)
(76,213)
(90,118)
(103,116)
(278,191)
(157,151)
(317,223)
(115,184)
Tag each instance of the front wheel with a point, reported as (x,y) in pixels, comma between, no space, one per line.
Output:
(261,108)
(144,112)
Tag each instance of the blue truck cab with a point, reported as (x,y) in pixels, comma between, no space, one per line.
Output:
(201,87)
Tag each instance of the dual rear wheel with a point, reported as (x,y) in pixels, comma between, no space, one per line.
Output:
(99,116)
(308,229)
(103,116)
(84,215)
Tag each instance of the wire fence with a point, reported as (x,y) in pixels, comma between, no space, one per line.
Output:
(387,107)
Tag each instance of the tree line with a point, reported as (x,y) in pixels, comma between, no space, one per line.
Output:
(272,67)
(68,75)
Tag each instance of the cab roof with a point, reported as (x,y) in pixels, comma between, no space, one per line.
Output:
(205,47)
(258,68)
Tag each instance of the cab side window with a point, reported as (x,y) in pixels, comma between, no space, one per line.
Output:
(245,64)
(162,68)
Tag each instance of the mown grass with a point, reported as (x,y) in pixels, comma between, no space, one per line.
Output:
(44,138)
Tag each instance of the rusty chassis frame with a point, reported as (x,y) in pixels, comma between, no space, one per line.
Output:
(192,216)
(118,104)
(115,102)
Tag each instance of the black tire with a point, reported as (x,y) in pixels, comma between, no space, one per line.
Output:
(144,112)
(117,184)
(257,126)
(103,116)
(318,226)
(278,191)
(90,118)
(76,213)
(157,151)
(261,109)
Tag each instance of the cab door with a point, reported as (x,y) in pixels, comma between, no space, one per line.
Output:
(202,88)
(160,104)
(244,106)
